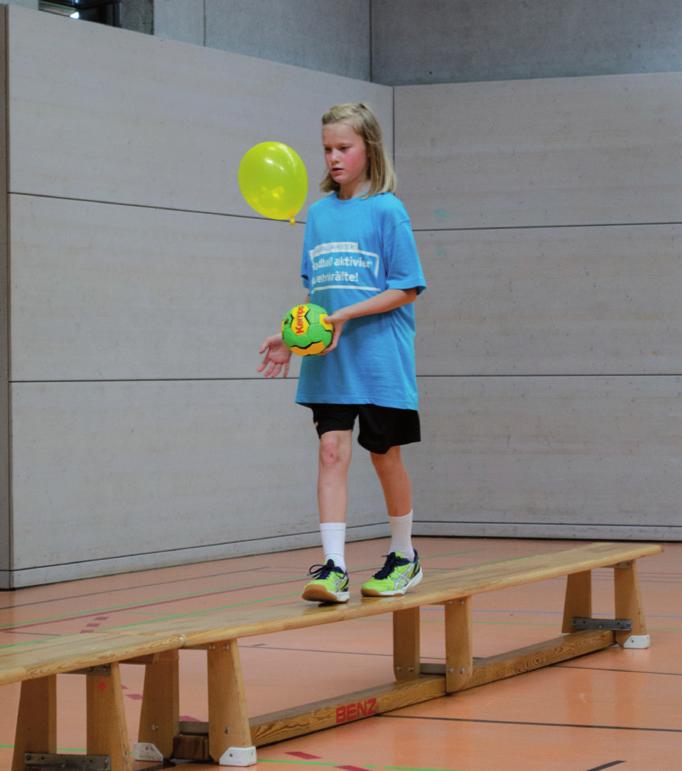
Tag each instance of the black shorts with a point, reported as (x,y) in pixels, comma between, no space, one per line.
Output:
(380,427)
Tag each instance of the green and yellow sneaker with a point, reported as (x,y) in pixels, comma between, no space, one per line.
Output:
(329,585)
(397,576)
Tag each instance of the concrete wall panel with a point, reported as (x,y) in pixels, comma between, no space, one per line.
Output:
(547,213)
(323,35)
(450,41)
(550,457)
(574,151)
(594,300)
(114,292)
(180,20)
(142,284)
(150,473)
(133,119)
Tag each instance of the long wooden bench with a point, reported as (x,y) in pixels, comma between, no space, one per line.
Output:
(230,737)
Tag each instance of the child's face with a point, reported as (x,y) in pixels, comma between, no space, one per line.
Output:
(346,157)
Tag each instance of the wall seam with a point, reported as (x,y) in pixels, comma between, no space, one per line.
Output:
(370,10)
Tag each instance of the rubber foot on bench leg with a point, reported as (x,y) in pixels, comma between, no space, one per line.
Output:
(147,751)
(238,756)
(638,641)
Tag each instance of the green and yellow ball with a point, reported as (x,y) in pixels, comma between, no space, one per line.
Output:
(306,331)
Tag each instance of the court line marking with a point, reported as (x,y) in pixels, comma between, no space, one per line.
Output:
(180,598)
(615,669)
(466,553)
(206,576)
(67,597)
(143,622)
(112,610)
(532,723)
(266,647)
(441,660)
(176,598)
(301,762)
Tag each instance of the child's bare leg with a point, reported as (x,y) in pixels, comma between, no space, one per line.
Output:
(395,481)
(332,493)
(332,479)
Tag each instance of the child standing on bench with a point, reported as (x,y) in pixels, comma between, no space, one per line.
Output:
(360,262)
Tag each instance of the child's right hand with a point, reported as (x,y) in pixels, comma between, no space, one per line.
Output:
(276,359)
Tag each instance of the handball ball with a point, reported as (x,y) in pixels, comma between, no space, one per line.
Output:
(305,329)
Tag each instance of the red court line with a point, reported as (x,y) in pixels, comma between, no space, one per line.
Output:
(304,755)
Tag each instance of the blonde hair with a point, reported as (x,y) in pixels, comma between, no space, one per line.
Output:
(363,121)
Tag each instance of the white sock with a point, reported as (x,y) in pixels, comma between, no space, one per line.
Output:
(334,542)
(401,535)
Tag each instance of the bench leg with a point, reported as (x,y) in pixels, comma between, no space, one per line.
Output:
(459,660)
(107,732)
(36,720)
(578,602)
(229,733)
(629,605)
(160,715)
(406,655)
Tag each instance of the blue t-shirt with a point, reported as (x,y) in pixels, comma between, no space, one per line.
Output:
(353,250)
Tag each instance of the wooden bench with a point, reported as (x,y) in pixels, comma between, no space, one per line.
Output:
(230,737)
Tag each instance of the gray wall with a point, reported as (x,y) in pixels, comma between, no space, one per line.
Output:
(400,42)
(549,346)
(138,15)
(452,41)
(548,217)
(142,285)
(324,35)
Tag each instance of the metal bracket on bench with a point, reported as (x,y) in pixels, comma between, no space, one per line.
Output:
(103,670)
(81,762)
(579,623)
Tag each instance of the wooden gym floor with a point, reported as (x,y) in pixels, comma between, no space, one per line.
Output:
(612,709)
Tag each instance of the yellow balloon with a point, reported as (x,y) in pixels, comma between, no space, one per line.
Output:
(273,180)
